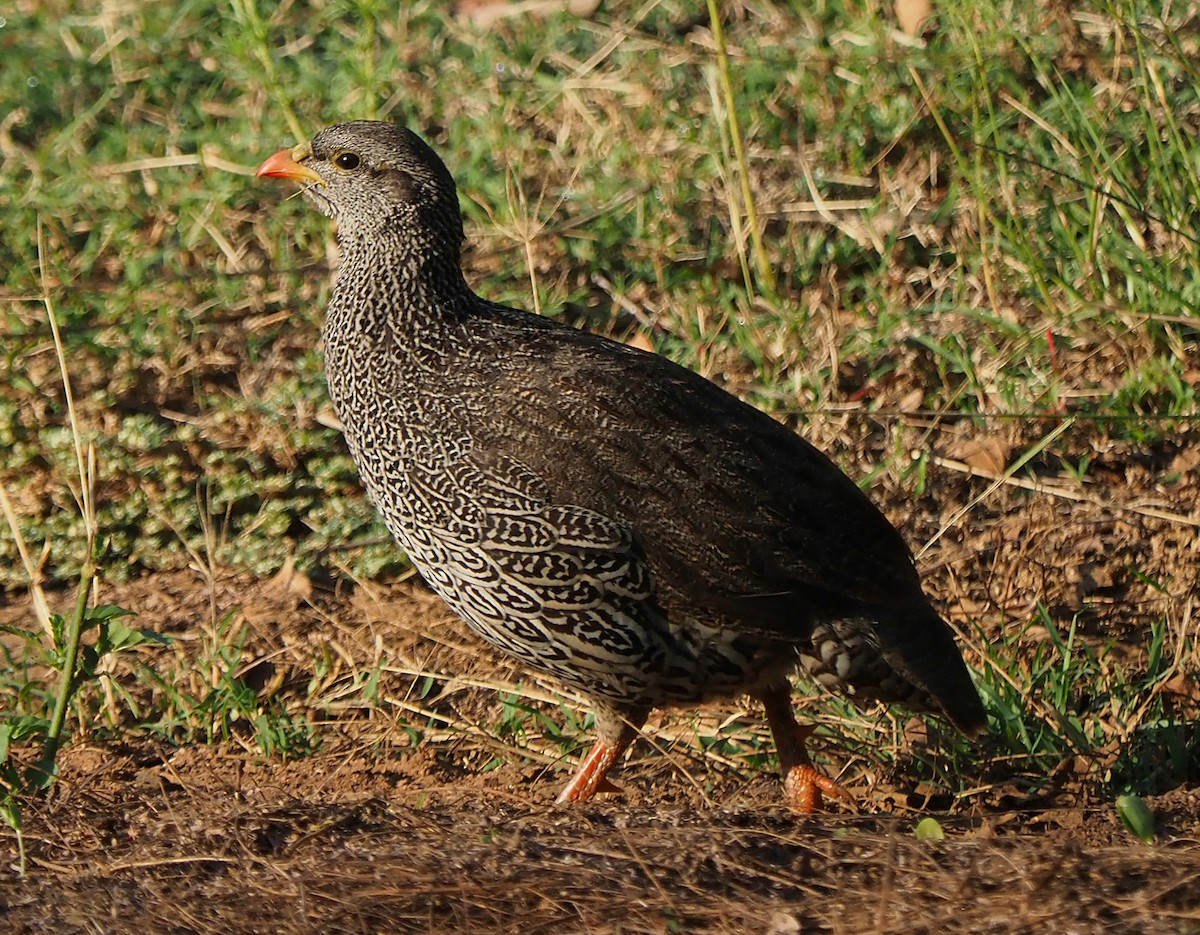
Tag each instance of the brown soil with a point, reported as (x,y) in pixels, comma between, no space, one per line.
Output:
(207,841)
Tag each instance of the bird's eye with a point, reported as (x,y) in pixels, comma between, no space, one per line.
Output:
(347,160)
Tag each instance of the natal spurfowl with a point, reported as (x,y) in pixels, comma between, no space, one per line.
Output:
(601,513)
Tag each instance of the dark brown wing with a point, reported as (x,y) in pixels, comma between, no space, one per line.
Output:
(732,509)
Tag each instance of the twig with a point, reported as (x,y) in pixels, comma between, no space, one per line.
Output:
(996,484)
(1065,493)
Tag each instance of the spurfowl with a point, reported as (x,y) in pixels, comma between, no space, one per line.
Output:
(601,513)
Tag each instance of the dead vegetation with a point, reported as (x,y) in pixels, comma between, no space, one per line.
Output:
(200,840)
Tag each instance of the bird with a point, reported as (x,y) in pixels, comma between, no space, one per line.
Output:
(604,515)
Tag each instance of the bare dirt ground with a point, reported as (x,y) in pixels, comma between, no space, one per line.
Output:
(199,840)
(208,840)
(373,834)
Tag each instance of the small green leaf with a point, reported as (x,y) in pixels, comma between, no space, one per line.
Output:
(57,622)
(121,637)
(1136,816)
(16,729)
(102,613)
(928,829)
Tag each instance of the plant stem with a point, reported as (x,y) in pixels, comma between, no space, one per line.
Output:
(766,274)
(248,16)
(66,686)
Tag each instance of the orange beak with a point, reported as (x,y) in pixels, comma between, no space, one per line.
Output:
(285,164)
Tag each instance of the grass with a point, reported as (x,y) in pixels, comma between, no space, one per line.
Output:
(991,233)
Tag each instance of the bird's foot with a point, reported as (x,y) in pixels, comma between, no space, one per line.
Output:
(803,786)
(573,792)
(592,775)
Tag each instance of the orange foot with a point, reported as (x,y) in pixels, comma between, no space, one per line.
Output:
(592,775)
(802,788)
(802,784)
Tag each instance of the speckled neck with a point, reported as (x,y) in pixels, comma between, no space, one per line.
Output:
(397,284)
(392,323)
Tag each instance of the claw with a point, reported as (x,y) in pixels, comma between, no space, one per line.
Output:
(592,775)
(803,785)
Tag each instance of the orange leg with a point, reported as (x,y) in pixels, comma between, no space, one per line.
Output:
(592,775)
(802,784)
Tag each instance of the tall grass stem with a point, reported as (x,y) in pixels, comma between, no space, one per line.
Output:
(762,262)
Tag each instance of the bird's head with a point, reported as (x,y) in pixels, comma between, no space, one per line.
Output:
(373,177)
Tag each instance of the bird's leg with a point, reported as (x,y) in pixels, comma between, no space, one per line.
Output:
(592,775)
(802,784)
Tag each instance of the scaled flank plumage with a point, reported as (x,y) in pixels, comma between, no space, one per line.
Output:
(601,513)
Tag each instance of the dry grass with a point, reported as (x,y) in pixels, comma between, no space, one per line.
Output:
(202,841)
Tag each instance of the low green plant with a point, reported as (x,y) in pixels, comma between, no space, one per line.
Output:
(208,698)
(1060,697)
(69,654)
(76,647)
